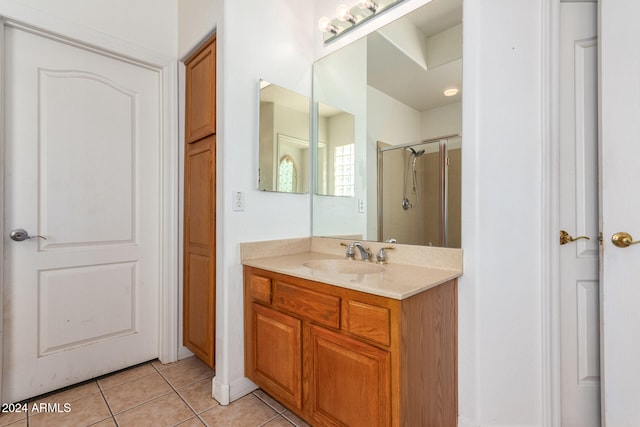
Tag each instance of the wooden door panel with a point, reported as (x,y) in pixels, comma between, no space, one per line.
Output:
(349,381)
(199,249)
(200,119)
(277,353)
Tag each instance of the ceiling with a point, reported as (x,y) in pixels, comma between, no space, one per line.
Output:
(393,72)
(419,87)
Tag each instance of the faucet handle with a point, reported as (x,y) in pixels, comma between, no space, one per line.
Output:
(381,256)
(351,252)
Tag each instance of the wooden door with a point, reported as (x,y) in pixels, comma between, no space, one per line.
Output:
(199,249)
(619,77)
(277,353)
(199,296)
(349,381)
(81,169)
(200,103)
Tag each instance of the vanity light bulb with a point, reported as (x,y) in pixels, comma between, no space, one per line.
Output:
(368,4)
(343,14)
(324,24)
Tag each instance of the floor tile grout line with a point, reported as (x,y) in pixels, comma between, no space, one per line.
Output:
(278,411)
(156,369)
(141,403)
(113,416)
(180,397)
(276,417)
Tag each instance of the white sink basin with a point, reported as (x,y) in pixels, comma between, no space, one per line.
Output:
(344,266)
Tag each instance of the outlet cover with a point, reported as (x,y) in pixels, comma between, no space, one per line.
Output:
(238,201)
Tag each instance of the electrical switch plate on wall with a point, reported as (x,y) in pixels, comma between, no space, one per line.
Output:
(238,201)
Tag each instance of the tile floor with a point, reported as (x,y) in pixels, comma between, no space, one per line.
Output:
(152,394)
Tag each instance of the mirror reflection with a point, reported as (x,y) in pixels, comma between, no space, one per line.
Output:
(283,163)
(419,192)
(335,158)
(403,86)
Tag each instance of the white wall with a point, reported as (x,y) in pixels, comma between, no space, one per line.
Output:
(147,23)
(272,40)
(500,341)
(196,19)
(445,120)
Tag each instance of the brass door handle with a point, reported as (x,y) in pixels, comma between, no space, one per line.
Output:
(622,239)
(566,237)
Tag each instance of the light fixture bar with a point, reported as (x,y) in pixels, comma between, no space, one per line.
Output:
(348,18)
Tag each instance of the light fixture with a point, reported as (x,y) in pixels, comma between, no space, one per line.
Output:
(368,4)
(326,26)
(450,91)
(344,14)
(348,18)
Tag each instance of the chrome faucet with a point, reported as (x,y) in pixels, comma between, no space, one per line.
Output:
(365,254)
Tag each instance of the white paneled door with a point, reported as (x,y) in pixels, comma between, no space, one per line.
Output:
(579,259)
(619,47)
(81,169)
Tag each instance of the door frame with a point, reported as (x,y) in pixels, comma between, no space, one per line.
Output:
(551,382)
(17,16)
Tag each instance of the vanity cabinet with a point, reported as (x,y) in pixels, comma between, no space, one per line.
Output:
(340,357)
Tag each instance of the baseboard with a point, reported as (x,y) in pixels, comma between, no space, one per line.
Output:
(227,393)
(183,352)
(463,422)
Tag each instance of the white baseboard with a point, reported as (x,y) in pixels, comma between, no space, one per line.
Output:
(227,393)
(463,422)
(183,352)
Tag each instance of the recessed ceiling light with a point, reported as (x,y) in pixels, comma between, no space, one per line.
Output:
(450,91)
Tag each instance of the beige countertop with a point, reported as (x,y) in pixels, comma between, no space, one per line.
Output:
(397,280)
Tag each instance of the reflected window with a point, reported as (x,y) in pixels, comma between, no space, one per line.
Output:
(344,170)
(287,175)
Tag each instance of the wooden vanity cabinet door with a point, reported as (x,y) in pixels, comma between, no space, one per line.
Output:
(277,354)
(349,381)
(200,107)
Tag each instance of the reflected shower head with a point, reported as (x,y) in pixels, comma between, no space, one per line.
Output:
(416,153)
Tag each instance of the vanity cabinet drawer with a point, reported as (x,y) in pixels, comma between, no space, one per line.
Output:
(318,307)
(368,321)
(259,288)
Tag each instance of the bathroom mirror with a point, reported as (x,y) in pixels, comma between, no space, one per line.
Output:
(402,84)
(283,159)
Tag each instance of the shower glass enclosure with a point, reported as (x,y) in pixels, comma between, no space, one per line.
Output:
(419,192)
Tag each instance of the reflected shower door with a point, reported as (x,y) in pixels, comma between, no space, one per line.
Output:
(419,192)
